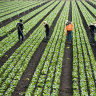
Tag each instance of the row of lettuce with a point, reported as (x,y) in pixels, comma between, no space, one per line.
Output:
(46,78)
(51,61)
(6,29)
(83,58)
(88,17)
(12,39)
(92,9)
(13,7)
(9,14)
(12,70)
(93,1)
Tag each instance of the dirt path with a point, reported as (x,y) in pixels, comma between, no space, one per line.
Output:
(28,73)
(87,30)
(10,32)
(88,10)
(93,5)
(86,26)
(66,75)
(5,22)
(16,10)
(5,57)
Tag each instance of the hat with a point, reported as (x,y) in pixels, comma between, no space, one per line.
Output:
(66,21)
(45,22)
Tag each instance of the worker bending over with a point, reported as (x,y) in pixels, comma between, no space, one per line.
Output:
(92,32)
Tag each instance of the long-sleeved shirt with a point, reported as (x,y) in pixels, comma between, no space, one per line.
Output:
(69,27)
(20,27)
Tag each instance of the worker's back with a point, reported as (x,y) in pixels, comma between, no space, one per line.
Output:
(20,26)
(69,27)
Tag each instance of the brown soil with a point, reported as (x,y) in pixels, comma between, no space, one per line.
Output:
(15,11)
(86,28)
(89,2)
(33,63)
(5,57)
(50,33)
(28,73)
(88,10)
(5,22)
(66,75)
(10,32)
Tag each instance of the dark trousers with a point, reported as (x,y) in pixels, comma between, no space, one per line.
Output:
(47,35)
(91,37)
(69,36)
(20,34)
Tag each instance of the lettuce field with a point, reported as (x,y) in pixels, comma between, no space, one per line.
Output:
(54,68)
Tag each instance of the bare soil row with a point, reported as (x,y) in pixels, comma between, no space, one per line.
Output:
(33,63)
(5,22)
(10,32)
(66,75)
(5,57)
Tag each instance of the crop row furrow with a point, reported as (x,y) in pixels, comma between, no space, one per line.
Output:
(88,17)
(19,55)
(19,49)
(92,9)
(5,22)
(31,50)
(81,61)
(15,7)
(46,68)
(16,13)
(16,10)
(12,39)
(93,3)
(9,27)
(89,47)
(20,64)
(5,5)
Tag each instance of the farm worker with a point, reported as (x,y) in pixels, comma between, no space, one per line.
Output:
(46,30)
(92,28)
(20,27)
(68,30)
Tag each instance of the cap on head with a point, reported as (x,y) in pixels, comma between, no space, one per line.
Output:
(45,22)
(66,21)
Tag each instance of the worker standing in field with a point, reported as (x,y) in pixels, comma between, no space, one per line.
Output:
(68,30)
(20,27)
(92,28)
(46,30)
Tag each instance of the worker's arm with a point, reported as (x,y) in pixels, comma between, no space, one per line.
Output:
(65,31)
